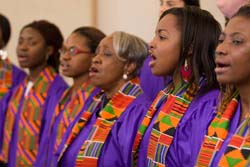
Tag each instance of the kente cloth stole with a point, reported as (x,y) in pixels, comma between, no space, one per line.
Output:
(15,102)
(91,148)
(5,76)
(166,122)
(217,133)
(108,115)
(71,106)
(161,97)
(165,125)
(30,113)
(238,150)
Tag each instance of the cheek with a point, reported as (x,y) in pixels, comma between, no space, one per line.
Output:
(83,63)
(169,58)
(37,57)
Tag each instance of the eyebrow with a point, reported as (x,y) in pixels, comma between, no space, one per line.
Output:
(162,30)
(233,34)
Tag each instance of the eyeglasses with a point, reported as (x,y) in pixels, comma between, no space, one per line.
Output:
(72,51)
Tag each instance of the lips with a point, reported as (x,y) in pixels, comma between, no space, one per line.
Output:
(152,61)
(22,58)
(221,66)
(93,71)
(64,66)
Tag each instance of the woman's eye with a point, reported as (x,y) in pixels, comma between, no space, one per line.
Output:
(237,42)
(220,40)
(162,37)
(32,43)
(107,53)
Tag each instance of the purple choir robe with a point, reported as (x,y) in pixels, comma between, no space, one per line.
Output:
(18,76)
(45,155)
(189,132)
(56,89)
(118,146)
(150,84)
(233,127)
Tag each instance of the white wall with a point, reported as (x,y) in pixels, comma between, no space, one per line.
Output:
(66,14)
(137,16)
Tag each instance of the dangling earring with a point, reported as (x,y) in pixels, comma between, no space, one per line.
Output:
(186,71)
(3,54)
(125,76)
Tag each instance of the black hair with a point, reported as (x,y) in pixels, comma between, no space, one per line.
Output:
(93,35)
(6,30)
(52,36)
(192,3)
(244,11)
(200,32)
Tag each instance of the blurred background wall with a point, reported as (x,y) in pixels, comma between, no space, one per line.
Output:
(134,16)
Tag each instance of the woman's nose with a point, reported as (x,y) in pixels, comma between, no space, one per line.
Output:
(221,50)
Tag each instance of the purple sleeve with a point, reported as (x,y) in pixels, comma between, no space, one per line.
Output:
(3,108)
(18,75)
(191,130)
(118,147)
(52,159)
(55,92)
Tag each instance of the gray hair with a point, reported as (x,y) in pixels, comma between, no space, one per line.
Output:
(130,48)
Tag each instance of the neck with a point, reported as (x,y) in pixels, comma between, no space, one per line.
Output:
(78,81)
(35,72)
(176,80)
(113,89)
(245,99)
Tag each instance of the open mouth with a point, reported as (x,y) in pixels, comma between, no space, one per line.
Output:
(221,67)
(64,66)
(152,57)
(152,61)
(93,71)
(22,58)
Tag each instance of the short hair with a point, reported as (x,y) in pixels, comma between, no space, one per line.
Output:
(130,48)
(192,3)
(52,36)
(244,11)
(93,36)
(5,28)
(199,33)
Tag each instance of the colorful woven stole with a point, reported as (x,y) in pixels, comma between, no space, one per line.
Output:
(91,149)
(165,124)
(11,115)
(30,112)
(95,105)
(108,116)
(238,150)
(217,132)
(5,77)
(161,97)
(71,106)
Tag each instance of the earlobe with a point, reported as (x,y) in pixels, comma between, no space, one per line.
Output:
(130,68)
